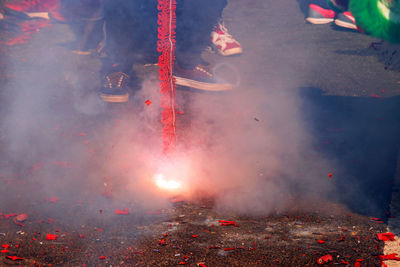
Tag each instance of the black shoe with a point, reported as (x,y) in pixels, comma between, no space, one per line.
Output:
(319,15)
(115,87)
(346,20)
(200,77)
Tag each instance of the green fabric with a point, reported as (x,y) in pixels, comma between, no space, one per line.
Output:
(370,19)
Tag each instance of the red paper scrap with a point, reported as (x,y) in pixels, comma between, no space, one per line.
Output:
(182,263)
(5,246)
(147,102)
(121,212)
(14,258)
(357,264)
(53,199)
(202,265)
(344,262)
(392,256)
(325,259)
(162,242)
(195,236)
(228,249)
(227,223)
(51,237)
(321,241)
(385,236)
(4,251)
(102,257)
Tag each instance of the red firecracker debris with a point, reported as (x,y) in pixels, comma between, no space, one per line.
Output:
(321,241)
(392,256)
(53,199)
(182,263)
(148,102)
(5,246)
(162,242)
(51,237)
(229,249)
(4,251)
(121,212)
(102,257)
(195,236)
(385,236)
(201,265)
(227,223)
(325,259)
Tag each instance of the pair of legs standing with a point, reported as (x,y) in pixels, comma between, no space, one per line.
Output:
(131,28)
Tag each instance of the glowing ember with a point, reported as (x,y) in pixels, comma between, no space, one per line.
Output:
(163,183)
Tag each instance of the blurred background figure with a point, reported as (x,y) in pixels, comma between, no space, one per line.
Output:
(379,18)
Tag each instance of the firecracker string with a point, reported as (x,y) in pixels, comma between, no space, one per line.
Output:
(166,46)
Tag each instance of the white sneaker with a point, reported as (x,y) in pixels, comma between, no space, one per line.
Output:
(223,42)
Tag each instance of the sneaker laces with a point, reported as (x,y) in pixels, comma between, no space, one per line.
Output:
(116,80)
(225,37)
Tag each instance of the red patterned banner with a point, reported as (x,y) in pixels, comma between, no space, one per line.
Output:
(166,46)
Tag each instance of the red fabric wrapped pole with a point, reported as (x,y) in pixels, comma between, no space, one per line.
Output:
(166,46)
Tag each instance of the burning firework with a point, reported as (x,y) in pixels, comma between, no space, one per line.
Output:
(167,184)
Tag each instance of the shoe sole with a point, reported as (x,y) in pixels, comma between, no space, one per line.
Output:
(202,85)
(319,20)
(344,24)
(115,98)
(230,52)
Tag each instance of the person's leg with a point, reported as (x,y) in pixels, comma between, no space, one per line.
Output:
(116,70)
(131,30)
(195,22)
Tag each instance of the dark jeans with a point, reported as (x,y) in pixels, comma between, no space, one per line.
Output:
(131,28)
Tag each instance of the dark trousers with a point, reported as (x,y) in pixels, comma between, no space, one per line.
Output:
(131,28)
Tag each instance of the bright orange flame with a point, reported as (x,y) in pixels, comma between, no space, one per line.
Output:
(165,184)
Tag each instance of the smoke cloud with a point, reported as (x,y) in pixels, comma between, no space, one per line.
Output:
(248,149)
